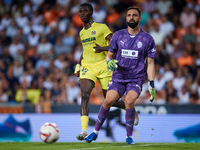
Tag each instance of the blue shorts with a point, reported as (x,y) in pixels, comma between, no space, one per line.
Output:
(121,87)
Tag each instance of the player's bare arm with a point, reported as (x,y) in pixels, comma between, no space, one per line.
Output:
(150,69)
(151,76)
(98,49)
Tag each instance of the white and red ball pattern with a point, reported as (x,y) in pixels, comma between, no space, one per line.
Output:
(49,132)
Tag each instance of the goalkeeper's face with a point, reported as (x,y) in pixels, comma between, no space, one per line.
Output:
(85,14)
(133,18)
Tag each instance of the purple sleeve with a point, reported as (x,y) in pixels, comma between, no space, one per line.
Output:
(113,44)
(151,49)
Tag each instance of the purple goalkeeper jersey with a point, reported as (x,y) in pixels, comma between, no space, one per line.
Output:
(131,53)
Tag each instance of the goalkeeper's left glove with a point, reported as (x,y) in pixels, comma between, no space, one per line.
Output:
(112,64)
(152,90)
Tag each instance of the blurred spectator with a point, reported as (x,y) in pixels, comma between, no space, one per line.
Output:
(73,92)
(160,98)
(78,53)
(168,74)
(22,20)
(178,80)
(168,46)
(159,82)
(42,62)
(171,92)
(52,36)
(3,67)
(26,77)
(33,39)
(190,36)
(5,21)
(3,97)
(149,6)
(5,56)
(157,34)
(44,46)
(112,16)
(189,15)
(183,96)
(4,39)
(11,30)
(60,62)
(166,26)
(99,14)
(185,59)
(163,6)
(36,17)
(17,68)
(47,102)
(48,84)
(60,48)
(15,46)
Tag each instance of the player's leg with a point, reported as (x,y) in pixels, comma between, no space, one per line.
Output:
(133,90)
(86,88)
(115,90)
(111,97)
(136,114)
(120,102)
(130,115)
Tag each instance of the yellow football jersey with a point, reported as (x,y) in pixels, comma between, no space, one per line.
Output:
(97,33)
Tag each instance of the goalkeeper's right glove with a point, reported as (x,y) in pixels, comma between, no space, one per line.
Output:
(112,64)
(152,90)
(77,69)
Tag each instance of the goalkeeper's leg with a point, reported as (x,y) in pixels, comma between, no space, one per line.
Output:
(121,104)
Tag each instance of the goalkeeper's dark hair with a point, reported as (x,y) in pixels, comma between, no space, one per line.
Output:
(88,5)
(133,7)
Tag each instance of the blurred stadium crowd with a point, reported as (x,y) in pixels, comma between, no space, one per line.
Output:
(40,46)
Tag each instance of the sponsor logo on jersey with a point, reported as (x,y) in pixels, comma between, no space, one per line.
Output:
(93,32)
(139,44)
(122,42)
(138,86)
(153,50)
(129,53)
(88,40)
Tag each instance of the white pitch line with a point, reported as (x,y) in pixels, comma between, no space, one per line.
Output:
(116,146)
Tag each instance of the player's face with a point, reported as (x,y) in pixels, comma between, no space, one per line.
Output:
(133,18)
(85,14)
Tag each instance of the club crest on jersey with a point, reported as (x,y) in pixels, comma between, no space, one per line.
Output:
(93,32)
(139,44)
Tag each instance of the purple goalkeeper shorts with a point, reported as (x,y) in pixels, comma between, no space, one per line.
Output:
(121,87)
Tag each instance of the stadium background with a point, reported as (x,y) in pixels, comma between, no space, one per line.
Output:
(40,46)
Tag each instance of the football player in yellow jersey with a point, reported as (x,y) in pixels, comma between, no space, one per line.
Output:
(92,66)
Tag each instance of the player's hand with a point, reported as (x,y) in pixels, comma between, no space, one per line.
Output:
(77,70)
(152,90)
(112,65)
(97,48)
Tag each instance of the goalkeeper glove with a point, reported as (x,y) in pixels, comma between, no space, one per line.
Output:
(151,90)
(77,69)
(111,64)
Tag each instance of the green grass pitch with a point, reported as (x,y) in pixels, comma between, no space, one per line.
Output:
(97,146)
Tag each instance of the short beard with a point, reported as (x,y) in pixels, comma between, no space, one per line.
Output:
(132,25)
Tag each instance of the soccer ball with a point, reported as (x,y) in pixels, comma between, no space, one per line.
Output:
(49,132)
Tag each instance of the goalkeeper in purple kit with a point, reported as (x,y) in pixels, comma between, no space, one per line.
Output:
(133,48)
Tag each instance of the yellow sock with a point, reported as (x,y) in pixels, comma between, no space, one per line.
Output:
(84,122)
